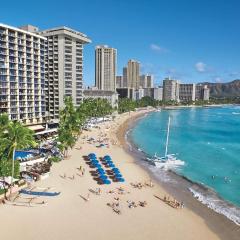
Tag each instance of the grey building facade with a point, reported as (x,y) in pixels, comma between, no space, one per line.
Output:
(170,90)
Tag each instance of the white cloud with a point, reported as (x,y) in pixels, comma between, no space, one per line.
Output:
(158,48)
(201,67)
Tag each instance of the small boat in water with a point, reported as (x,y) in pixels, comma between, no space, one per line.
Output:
(169,160)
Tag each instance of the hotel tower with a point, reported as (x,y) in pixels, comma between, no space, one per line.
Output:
(22,78)
(64,67)
(105,68)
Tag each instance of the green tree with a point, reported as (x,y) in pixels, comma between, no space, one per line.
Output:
(14,137)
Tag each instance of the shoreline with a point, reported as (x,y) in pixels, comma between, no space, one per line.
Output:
(70,216)
(217,222)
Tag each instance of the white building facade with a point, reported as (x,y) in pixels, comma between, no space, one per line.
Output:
(22,75)
(64,67)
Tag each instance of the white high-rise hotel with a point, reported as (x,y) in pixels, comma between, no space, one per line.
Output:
(38,69)
(64,67)
(22,76)
(105,68)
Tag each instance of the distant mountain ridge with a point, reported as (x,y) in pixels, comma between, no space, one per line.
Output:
(229,89)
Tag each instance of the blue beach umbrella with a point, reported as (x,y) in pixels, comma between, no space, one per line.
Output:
(101,171)
(94,161)
(96,165)
(110,160)
(103,177)
(115,169)
(107,181)
(120,179)
(92,155)
(107,157)
(118,175)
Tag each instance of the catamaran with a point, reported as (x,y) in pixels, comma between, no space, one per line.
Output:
(168,160)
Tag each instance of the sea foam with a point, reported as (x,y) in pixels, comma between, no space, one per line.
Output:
(218,205)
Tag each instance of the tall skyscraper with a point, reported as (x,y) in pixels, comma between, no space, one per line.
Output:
(22,76)
(150,81)
(125,81)
(170,90)
(119,81)
(133,70)
(105,68)
(146,81)
(64,67)
(143,81)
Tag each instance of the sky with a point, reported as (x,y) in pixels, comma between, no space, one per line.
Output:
(190,40)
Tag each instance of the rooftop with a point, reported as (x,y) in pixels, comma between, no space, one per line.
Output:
(67,31)
(21,30)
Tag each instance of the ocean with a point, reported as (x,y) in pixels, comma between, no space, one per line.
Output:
(208,141)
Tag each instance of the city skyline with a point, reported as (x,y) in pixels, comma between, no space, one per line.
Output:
(195,45)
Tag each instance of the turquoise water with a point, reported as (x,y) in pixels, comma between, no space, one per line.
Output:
(206,139)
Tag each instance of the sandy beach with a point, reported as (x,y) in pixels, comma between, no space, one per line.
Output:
(70,216)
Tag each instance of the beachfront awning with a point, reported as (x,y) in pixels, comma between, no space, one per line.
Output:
(36,127)
(46,131)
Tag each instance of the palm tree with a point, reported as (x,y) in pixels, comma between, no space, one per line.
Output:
(4,121)
(15,137)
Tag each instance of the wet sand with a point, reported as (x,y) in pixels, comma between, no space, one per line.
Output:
(70,216)
(220,224)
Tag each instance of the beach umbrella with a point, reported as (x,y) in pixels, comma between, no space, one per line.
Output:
(103,177)
(107,157)
(108,160)
(118,175)
(120,179)
(115,169)
(111,165)
(101,171)
(94,161)
(92,155)
(108,163)
(96,165)
(107,181)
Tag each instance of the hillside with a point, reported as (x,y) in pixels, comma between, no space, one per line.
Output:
(230,89)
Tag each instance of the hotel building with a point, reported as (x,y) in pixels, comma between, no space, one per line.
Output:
(119,81)
(22,77)
(146,81)
(202,92)
(133,69)
(110,96)
(125,81)
(187,92)
(64,67)
(170,90)
(105,68)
